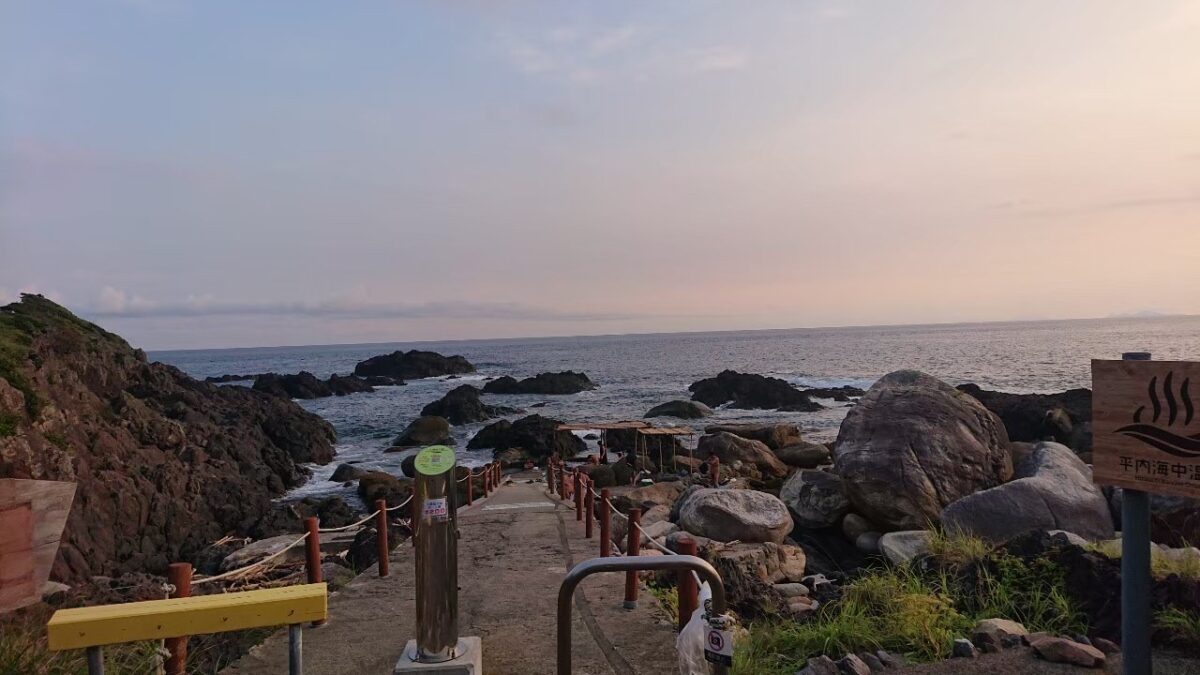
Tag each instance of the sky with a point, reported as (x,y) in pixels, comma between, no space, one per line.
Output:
(211,174)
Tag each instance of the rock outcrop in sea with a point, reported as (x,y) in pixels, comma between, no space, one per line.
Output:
(305,385)
(751,391)
(535,436)
(164,464)
(546,384)
(413,365)
(1064,417)
(462,405)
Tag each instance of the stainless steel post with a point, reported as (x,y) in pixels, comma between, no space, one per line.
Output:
(295,649)
(436,556)
(1135,572)
(95,661)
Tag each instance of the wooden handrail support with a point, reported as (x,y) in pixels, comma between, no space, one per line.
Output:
(159,619)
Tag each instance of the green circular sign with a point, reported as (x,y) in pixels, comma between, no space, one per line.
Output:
(434,460)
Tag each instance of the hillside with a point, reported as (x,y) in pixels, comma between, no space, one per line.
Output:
(165,464)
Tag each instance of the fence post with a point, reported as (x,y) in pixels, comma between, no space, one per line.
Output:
(632,549)
(550,474)
(381,536)
(1135,572)
(470,487)
(578,495)
(589,507)
(689,594)
(499,473)
(487,481)
(179,575)
(95,661)
(413,516)
(312,553)
(605,523)
(714,471)
(295,649)
(562,483)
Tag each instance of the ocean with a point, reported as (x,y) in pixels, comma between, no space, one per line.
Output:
(636,372)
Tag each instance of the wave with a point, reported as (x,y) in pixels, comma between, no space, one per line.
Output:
(1172,444)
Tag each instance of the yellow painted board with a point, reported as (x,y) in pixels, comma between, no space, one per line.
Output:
(156,619)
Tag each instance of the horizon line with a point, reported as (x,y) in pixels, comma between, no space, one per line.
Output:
(686,332)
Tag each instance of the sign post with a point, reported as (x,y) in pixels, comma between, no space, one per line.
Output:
(437,647)
(1146,439)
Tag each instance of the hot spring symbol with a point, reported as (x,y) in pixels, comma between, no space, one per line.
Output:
(1177,410)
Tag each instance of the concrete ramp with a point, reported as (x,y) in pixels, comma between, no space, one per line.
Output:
(514,551)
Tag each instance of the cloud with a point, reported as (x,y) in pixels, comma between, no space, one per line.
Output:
(113,303)
(720,59)
(612,40)
(1117,205)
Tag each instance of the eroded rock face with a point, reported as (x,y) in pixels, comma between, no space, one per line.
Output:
(1065,418)
(815,498)
(734,450)
(687,410)
(729,515)
(375,485)
(164,464)
(413,365)
(535,434)
(546,384)
(913,445)
(425,430)
(462,405)
(1051,490)
(751,391)
(804,455)
(774,436)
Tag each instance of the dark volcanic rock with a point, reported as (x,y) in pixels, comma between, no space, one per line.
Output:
(841,394)
(380,485)
(341,385)
(687,410)
(547,384)
(288,517)
(413,365)
(222,379)
(164,464)
(913,445)
(303,385)
(382,381)
(774,436)
(425,430)
(746,390)
(1064,418)
(462,405)
(536,435)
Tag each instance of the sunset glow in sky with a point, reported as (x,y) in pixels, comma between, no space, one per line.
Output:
(198,174)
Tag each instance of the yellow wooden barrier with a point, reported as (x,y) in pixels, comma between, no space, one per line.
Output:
(177,617)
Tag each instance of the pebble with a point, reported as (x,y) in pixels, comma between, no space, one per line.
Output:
(1062,650)
(964,649)
(852,665)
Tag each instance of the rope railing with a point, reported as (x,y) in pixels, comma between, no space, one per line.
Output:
(400,505)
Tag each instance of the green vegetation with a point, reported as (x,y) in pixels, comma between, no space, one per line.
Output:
(57,439)
(916,610)
(8,424)
(23,650)
(1161,565)
(1181,626)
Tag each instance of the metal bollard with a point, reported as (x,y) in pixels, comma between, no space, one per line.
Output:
(436,556)
(295,649)
(95,661)
(689,593)
(605,523)
(589,507)
(578,495)
(632,548)
(312,554)
(1135,572)
(381,536)
(179,575)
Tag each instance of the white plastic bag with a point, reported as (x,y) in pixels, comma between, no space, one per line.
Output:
(690,643)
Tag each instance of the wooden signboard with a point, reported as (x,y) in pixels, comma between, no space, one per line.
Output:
(32,516)
(1146,425)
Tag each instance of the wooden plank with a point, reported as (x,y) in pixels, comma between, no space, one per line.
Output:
(1146,425)
(666,431)
(603,426)
(158,619)
(49,503)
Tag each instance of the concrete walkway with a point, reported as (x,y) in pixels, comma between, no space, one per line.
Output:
(513,553)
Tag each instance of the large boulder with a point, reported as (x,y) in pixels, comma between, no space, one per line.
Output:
(1052,490)
(413,365)
(658,494)
(913,445)
(735,515)
(462,405)
(538,436)
(804,455)
(751,391)
(774,436)
(736,452)
(687,410)
(303,385)
(815,498)
(375,485)
(425,430)
(547,384)
(1064,417)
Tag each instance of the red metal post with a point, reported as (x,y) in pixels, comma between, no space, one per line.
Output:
(589,507)
(605,523)
(714,470)
(312,550)
(689,593)
(578,495)
(562,484)
(487,482)
(499,473)
(550,474)
(179,575)
(632,548)
(381,535)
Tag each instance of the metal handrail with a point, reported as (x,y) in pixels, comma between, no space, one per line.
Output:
(596,565)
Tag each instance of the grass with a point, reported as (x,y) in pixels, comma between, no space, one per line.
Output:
(8,424)
(23,650)
(1161,565)
(1181,626)
(916,610)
